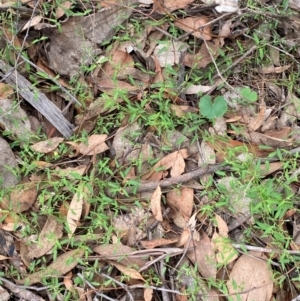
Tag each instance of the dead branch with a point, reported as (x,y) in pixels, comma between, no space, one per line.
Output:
(37,99)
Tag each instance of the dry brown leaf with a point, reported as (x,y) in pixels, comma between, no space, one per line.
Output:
(267,169)
(253,275)
(32,22)
(182,201)
(95,145)
(158,242)
(72,173)
(191,24)
(272,69)
(207,154)
(184,237)
(225,252)
(52,231)
(168,53)
(166,162)
(258,120)
(234,119)
(41,164)
(51,74)
(62,265)
(170,5)
(75,210)
(222,226)
(225,31)
(105,251)
(108,85)
(203,57)
(181,111)
(120,60)
(61,10)
(8,163)
(14,119)
(148,293)
(21,198)
(132,273)
(178,166)
(195,89)
(155,204)
(68,281)
(272,141)
(222,146)
(202,253)
(5,90)
(48,145)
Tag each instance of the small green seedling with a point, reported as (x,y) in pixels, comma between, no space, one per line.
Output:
(248,95)
(212,109)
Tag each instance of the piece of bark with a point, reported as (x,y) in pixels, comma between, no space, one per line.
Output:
(75,44)
(38,100)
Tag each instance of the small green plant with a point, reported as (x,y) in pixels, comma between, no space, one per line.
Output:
(212,109)
(248,95)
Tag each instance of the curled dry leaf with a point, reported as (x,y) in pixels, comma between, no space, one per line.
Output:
(52,231)
(75,210)
(62,265)
(95,145)
(156,204)
(252,274)
(48,145)
(192,24)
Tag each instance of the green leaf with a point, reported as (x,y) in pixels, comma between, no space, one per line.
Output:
(210,109)
(249,95)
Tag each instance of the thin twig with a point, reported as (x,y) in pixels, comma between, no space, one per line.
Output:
(38,289)
(265,250)
(151,185)
(156,288)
